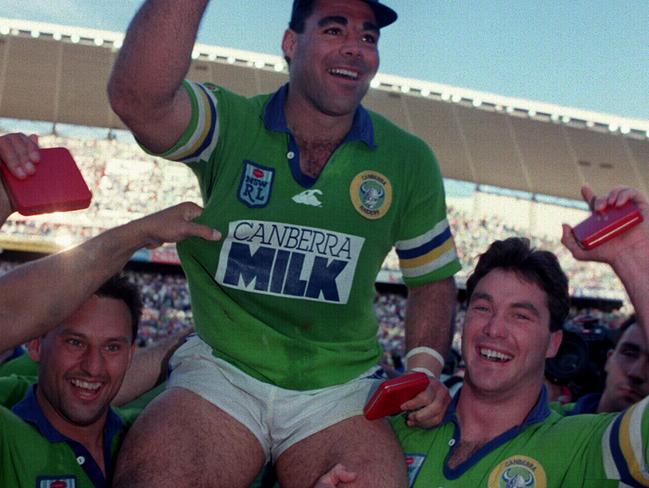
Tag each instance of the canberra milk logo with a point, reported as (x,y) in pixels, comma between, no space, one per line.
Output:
(273,258)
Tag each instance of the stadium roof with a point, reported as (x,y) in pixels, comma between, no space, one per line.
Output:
(59,74)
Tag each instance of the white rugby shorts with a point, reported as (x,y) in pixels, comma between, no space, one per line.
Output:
(276,416)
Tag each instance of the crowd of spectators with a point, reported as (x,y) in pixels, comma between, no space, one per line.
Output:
(127,184)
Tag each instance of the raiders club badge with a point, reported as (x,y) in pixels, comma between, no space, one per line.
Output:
(371,194)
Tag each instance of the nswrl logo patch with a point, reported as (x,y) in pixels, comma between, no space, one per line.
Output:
(414,462)
(256,184)
(67,481)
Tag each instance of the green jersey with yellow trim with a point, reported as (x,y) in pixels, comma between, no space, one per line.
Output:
(287,294)
(547,450)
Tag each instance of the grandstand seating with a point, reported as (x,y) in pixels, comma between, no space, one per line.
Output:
(127,183)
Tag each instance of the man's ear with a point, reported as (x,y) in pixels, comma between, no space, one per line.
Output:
(608,359)
(555,342)
(34,348)
(288,43)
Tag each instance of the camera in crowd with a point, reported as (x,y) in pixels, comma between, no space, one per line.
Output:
(579,364)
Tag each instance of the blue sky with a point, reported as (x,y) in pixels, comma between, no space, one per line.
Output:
(592,55)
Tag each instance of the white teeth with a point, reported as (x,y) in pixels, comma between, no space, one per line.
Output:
(86,385)
(344,72)
(491,354)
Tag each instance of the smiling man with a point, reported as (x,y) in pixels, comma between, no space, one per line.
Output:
(80,324)
(499,429)
(313,190)
(64,429)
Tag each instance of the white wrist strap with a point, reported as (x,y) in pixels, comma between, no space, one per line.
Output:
(427,371)
(426,350)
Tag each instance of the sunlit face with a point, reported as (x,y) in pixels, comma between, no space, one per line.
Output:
(333,61)
(507,336)
(83,362)
(627,371)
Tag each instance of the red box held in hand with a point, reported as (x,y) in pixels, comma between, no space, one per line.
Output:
(57,185)
(605,225)
(389,397)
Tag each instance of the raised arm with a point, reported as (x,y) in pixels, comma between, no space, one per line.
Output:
(429,316)
(145,87)
(37,296)
(627,254)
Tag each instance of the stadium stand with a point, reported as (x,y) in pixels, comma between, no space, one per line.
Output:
(127,183)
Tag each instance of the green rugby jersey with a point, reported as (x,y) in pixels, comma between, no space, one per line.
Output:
(23,365)
(547,450)
(34,454)
(287,295)
(13,388)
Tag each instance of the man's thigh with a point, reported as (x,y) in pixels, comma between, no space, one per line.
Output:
(180,439)
(368,448)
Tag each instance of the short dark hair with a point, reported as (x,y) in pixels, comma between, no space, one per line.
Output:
(120,288)
(302,9)
(540,267)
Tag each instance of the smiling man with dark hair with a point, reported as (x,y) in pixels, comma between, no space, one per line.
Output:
(314,191)
(500,429)
(81,324)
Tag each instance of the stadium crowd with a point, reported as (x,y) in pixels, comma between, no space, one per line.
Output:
(127,184)
(272,384)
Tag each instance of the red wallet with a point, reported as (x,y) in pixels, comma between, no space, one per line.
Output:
(389,397)
(57,185)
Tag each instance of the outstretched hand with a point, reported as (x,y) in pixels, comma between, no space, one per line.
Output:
(636,238)
(20,153)
(338,474)
(174,224)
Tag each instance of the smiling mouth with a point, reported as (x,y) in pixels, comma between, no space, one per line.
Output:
(496,356)
(86,386)
(344,73)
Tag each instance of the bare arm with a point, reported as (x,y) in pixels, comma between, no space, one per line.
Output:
(429,316)
(145,85)
(148,369)
(35,297)
(627,254)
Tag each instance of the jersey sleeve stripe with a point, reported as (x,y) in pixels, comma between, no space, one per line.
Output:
(431,256)
(204,119)
(631,442)
(440,262)
(610,468)
(627,451)
(409,245)
(424,249)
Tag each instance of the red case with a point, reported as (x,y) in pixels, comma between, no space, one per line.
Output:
(57,185)
(392,393)
(603,226)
